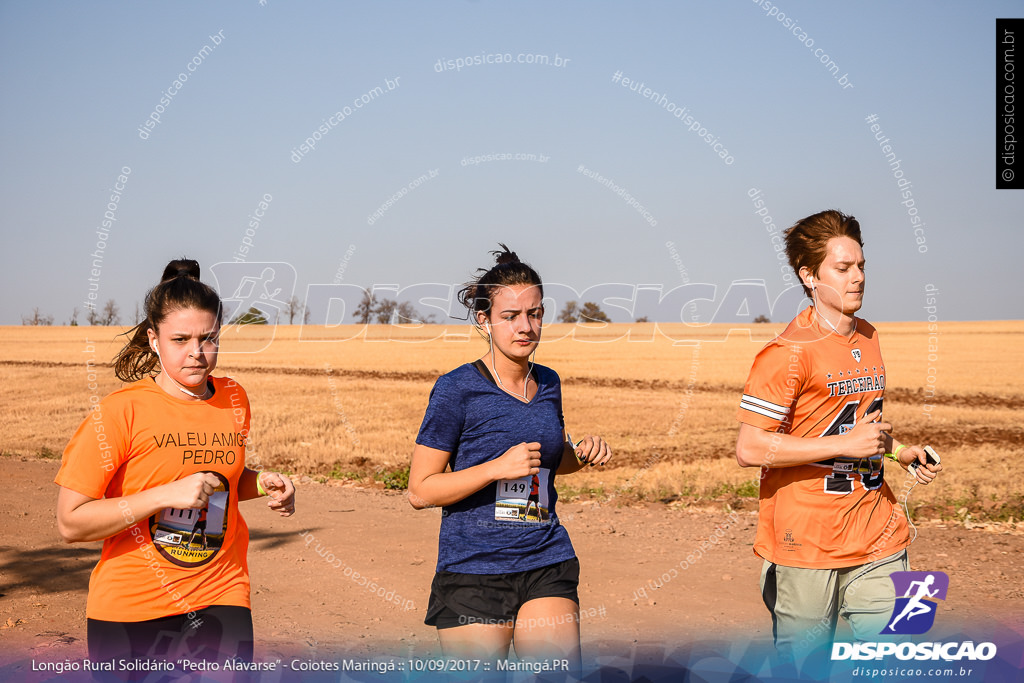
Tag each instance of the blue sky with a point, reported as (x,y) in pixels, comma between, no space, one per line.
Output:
(80,79)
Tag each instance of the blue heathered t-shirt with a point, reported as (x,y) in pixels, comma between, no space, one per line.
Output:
(511,525)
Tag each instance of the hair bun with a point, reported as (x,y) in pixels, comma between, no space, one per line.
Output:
(508,271)
(182,267)
(504,256)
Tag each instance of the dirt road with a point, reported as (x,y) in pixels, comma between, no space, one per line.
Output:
(313,606)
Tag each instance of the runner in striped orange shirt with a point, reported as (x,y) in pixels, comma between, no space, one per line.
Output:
(830,530)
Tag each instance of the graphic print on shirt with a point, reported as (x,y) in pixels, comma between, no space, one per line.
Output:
(842,482)
(524,499)
(191,537)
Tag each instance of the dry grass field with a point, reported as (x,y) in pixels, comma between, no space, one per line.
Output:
(346,402)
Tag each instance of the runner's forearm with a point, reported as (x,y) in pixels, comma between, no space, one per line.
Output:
(757,447)
(95,520)
(446,488)
(247,485)
(569,462)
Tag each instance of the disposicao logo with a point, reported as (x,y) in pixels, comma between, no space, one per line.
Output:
(917,596)
(914,612)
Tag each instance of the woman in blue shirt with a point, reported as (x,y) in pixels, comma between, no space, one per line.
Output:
(492,440)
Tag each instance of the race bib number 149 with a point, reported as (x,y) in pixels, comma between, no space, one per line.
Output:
(524,499)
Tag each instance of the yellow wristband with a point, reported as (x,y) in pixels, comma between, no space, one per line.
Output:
(895,455)
(259,487)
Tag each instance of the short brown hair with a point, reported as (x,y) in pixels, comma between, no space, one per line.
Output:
(807,240)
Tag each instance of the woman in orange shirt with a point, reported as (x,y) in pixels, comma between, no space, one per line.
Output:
(156,471)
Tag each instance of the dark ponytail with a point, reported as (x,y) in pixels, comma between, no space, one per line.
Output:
(508,270)
(179,288)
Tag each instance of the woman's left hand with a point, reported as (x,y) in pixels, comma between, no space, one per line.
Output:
(281,491)
(593,450)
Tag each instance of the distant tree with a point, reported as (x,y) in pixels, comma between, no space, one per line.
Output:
(36,318)
(253,316)
(762,319)
(73,322)
(294,309)
(366,308)
(93,317)
(642,319)
(110,315)
(569,314)
(592,313)
(385,310)
(137,318)
(406,313)
(306,314)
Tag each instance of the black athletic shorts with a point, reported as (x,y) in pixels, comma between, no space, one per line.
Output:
(211,634)
(459,599)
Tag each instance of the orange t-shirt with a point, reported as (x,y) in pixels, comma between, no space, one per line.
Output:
(811,382)
(176,561)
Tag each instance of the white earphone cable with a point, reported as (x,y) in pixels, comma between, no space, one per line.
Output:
(526,382)
(180,386)
(821,316)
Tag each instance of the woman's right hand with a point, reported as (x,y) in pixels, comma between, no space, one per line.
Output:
(193,491)
(520,461)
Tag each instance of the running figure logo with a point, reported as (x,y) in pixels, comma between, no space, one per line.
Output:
(259,291)
(200,528)
(256,292)
(914,612)
(533,500)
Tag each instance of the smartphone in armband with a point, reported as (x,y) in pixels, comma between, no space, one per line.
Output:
(930,455)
